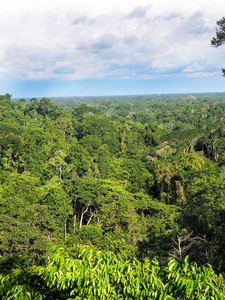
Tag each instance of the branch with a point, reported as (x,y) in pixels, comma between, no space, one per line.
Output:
(180,251)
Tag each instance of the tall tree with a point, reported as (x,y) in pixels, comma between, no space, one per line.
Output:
(219,40)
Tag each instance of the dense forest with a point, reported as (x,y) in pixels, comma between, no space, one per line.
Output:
(112,197)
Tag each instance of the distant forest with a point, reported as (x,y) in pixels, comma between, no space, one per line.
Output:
(114,197)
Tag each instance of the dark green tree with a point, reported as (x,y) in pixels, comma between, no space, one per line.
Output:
(219,40)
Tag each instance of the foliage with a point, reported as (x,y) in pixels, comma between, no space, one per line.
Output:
(95,275)
(220,36)
(132,175)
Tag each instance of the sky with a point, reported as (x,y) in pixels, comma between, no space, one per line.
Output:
(51,48)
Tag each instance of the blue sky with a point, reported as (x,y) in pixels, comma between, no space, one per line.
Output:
(83,47)
(104,87)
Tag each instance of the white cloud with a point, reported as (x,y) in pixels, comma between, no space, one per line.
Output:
(97,39)
(201,74)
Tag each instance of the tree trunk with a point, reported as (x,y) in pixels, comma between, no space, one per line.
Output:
(74,222)
(65,231)
(74,214)
(84,210)
(49,237)
(60,172)
(92,214)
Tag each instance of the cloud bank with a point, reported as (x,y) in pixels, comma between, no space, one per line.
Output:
(134,41)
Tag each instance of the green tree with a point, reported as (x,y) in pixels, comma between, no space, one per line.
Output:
(57,201)
(84,111)
(11,148)
(91,143)
(219,40)
(84,195)
(204,214)
(47,108)
(24,230)
(91,274)
(80,162)
(104,161)
(152,135)
(25,186)
(65,124)
(58,162)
